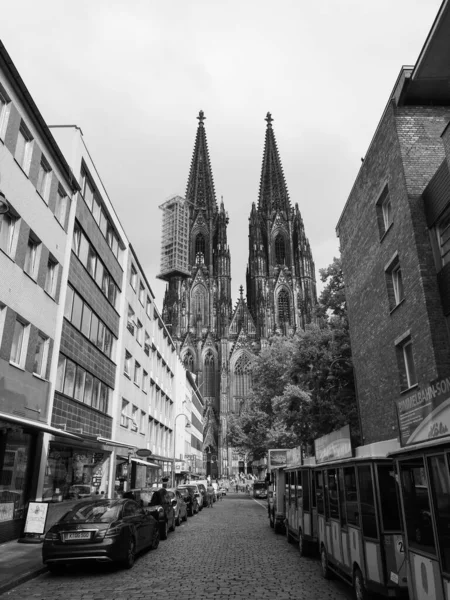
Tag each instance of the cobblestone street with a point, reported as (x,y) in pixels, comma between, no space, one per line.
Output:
(225,552)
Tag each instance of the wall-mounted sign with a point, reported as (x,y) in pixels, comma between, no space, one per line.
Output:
(144,452)
(425,414)
(276,458)
(294,457)
(36,517)
(334,445)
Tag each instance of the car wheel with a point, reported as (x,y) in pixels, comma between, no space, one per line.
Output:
(326,573)
(164,530)
(56,568)
(131,554)
(156,538)
(361,592)
(178,520)
(172,527)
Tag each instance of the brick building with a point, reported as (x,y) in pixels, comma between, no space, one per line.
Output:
(36,188)
(394,241)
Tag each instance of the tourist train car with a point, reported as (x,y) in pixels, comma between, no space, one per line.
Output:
(276,464)
(360,534)
(423,467)
(300,504)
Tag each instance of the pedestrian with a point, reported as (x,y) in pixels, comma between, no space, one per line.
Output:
(210,494)
(237,488)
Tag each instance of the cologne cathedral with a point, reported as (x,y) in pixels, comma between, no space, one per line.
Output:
(216,338)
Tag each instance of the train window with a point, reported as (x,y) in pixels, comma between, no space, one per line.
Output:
(342,497)
(390,512)
(305,485)
(293,481)
(286,486)
(332,488)
(319,492)
(312,480)
(367,502)
(299,489)
(351,496)
(416,500)
(440,480)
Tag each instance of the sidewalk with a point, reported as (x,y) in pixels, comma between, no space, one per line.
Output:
(19,563)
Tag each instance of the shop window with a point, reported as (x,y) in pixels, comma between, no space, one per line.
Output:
(367,502)
(390,511)
(416,501)
(351,496)
(440,484)
(14,472)
(332,490)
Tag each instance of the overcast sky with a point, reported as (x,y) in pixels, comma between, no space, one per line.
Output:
(134,75)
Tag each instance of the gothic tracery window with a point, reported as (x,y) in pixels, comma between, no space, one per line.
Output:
(200,244)
(209,376)
(280,249)
(188,362)
(283,307)
(242,378)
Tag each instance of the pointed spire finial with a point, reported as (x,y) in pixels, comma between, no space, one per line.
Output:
(241,290)
(201,117)
(269,119)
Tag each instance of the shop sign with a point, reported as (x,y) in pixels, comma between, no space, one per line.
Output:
(334,445)
(425,414)
(36,517)
(294,457)
(277,458)
(6,511)
(144,452)
(180,465)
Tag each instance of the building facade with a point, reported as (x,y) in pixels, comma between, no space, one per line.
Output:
(394,241)
(36,197)
(215,339)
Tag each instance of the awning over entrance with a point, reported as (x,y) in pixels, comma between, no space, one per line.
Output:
(144,462)
(38,425)
(114,443)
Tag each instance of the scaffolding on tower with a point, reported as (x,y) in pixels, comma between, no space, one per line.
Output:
(175,238)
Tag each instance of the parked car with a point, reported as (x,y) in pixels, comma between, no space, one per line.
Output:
(196,491)
(189,496)
(80,491)
(101,531)
(204,493)
(178,504)
(157,502)
(222,491)
(259,489)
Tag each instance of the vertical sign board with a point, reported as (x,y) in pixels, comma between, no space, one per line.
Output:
(294,457)
(36,517)
(425,414)
(277,458)
(334,445)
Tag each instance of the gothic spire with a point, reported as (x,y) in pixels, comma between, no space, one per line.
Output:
(200,187)
(273,193)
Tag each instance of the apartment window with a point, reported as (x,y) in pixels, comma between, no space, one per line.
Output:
(149,307)
(144,381)
(133,278)
(384,212)
(141,293)
(51,277)
(19,343)
(127,366)
(62,202)
(88,191)
(32,256)
(137,372)
(8,234)
(74,381)
(147,344)
(4,110)
(96,208)
(139,332)
(443,233)
(134,418)
(130,322)
(23,147)
(2,320)
(394,282)
(142,422)
(405,361)
(44,178)
(124,413)
(41,356)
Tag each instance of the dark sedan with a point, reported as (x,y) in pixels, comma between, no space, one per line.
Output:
(101,531)
(188,494)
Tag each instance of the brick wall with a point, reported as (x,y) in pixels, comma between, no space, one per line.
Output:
(405,154)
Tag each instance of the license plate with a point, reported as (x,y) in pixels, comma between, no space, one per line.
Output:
(77,535)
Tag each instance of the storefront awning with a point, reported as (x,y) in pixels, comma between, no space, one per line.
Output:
(38,425)
(144,462)
(114,443)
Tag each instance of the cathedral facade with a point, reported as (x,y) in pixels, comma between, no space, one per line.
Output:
(216,338)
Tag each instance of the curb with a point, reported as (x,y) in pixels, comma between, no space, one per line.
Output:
(22,579)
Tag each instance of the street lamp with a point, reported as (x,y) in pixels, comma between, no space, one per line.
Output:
(188,424)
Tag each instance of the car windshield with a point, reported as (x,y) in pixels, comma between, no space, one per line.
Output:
(190,488)
(105,511)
